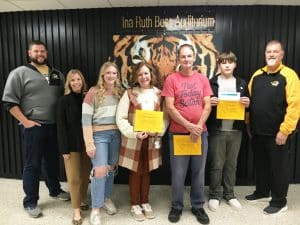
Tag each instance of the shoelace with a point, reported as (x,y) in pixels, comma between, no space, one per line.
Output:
(199,212)
(137,209)
(147,207)
(176,211)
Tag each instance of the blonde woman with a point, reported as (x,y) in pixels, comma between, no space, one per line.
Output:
(102,137)
(70,140)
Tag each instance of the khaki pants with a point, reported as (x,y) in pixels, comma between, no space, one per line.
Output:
(77,170)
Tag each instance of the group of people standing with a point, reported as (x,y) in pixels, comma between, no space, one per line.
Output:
(94,131)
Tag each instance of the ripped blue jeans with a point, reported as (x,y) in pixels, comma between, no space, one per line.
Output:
(107,154)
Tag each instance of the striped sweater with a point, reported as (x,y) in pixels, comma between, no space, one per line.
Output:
(97,116)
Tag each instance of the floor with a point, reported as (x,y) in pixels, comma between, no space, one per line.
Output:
(56,212)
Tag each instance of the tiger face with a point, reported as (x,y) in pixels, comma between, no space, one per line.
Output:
(160,51)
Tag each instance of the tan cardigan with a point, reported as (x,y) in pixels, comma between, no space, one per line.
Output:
(131,146)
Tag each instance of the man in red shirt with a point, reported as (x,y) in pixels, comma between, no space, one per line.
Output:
(187,95)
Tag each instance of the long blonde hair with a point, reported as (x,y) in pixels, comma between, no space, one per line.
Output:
(68,88)
(117,92)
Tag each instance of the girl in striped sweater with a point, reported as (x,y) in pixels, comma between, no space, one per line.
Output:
(102,137)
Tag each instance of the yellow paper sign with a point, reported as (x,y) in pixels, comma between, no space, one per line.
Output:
(230,110)
(148,121)
(184,146)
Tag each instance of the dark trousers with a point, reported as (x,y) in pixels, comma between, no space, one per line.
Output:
(272,169)
(40,152)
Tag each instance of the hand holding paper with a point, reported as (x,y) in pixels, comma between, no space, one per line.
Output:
(184,146)
(213,101)
(230,107)
(245,101)
(148,121)
(195,129)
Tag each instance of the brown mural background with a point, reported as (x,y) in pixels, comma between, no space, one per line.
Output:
(160,52)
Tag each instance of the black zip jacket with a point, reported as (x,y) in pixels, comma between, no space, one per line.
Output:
(213,123)
(275,101)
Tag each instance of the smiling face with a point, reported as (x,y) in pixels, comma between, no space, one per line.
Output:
(110,76)
(76,83)
(144,77)
(273,56)
(38,54)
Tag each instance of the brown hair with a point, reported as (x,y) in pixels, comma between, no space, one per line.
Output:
(185,45)
(228,56)
(135,74)
(36,42)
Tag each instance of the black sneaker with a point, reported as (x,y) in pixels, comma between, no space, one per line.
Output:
(62,195)
(201,215)
(174,215)
(254,198)
(271,210)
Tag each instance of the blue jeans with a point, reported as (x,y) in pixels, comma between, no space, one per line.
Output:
(40,152)
(179,167)
(107,154)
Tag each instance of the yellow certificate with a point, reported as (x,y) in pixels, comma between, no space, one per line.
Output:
(230,110)
(184,146)
(148,121)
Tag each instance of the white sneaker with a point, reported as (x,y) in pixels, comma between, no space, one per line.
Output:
(33,212)
(235,204)
(148,211)
(213,204)
(95,218)
(137,213)
(109,206)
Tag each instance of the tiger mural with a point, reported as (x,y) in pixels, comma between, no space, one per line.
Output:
(160,52)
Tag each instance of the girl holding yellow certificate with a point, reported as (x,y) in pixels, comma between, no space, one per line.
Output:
(140,150)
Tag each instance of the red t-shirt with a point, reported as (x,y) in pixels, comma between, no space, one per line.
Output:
(188,93)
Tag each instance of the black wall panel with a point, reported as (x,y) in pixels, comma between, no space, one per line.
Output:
(83,39)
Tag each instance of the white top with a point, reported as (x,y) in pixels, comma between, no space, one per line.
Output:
(147,98)
(227,85)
